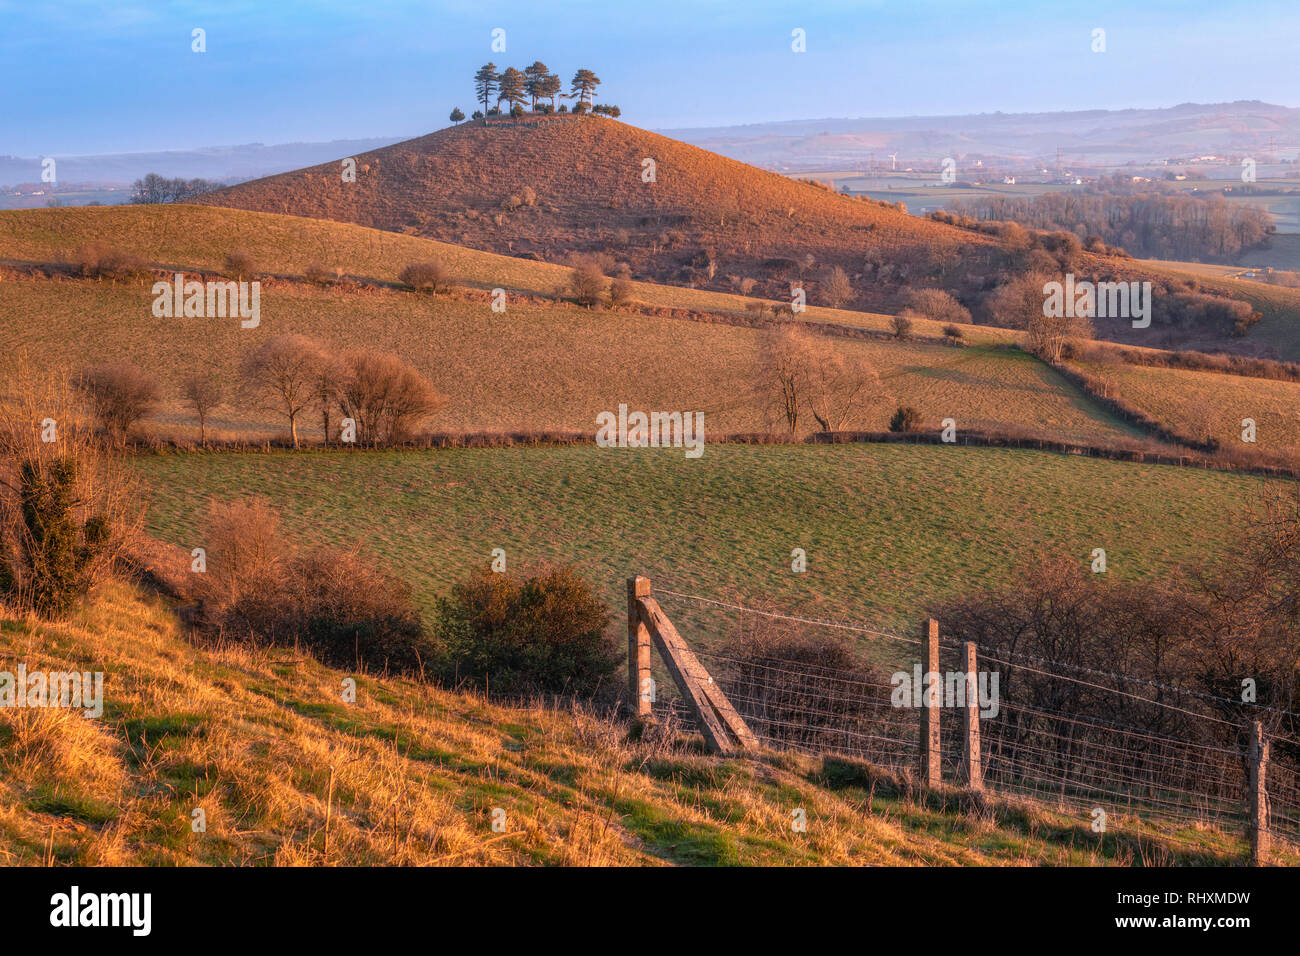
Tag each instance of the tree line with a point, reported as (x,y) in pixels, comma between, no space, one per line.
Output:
(1148,225)
(159,189)
(534,85)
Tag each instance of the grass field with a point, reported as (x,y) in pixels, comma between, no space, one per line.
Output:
(1194,403)
(534,367)
(288,774)
(888,529)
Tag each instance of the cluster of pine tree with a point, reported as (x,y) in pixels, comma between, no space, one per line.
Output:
(533,85)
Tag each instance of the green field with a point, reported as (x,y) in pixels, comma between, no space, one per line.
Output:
(888,529)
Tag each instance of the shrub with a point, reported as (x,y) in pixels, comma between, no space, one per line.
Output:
(545,632)
(387,398)
(587,284)
(239,265)
(906,419)
(101,261)
(67,510)
(902,327)
(337,605)
(938,305)
(780,685)
(317,274)
(425,277)
(620,292)
(118,396)
(953,334)
(837,289)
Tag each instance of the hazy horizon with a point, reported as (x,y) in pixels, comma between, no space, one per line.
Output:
(321,71)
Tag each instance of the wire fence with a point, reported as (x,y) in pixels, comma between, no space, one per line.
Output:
(1102,745)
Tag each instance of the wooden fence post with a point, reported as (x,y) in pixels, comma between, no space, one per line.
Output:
(972,770)
(931,772)
(716,718)
(639,681)
(1259,822)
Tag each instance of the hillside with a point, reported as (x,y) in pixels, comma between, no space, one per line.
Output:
(553,189)
(288,774)
(703,218)
(498,371)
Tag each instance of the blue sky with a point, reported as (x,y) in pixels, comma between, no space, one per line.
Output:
(83,77)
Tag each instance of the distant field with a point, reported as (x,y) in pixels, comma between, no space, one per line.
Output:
(888,528)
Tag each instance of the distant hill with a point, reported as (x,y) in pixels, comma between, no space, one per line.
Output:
(224,163)
(1101,137)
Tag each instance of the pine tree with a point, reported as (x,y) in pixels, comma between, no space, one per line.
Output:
(485,84)
(535,78)
(584,85)
(457,115)
(551,87)
(512,87)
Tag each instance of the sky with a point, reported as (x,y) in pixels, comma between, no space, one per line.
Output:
(82,78)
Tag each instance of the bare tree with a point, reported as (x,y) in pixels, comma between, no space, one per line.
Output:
(782,373)
(204,393)
(118,396)
(840,385)
(838,289)
(384,396)
(284,371)
(587,284)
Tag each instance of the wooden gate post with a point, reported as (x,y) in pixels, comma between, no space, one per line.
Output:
(972,770)
(931,772)
(639,682)
(1258,796)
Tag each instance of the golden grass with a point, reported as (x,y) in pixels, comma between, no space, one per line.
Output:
(534,367)
(1206,403)
(287,773)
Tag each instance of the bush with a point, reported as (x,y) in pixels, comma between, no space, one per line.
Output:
(317,274)
(587,284)
(620,292)
(67,510)
(543,633)
(425,277)
(337,605)
(906,419)
(119,396)
(780,685)
(938,305)
(101,261)
(387,398)
(239,265)
(902,326)
(953,334)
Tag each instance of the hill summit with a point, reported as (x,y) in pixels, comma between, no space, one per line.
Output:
(550,188)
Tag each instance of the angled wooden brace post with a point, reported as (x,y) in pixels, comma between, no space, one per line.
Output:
(723,728)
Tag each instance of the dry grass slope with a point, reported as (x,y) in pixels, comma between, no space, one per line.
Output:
(288,774)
